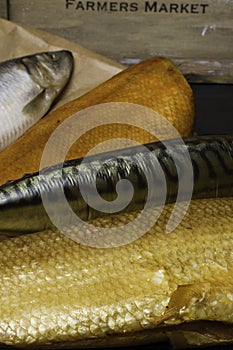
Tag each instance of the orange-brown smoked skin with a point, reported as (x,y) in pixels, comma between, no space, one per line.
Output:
(155,83)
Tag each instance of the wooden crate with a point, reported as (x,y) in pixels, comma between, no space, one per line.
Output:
(131,30)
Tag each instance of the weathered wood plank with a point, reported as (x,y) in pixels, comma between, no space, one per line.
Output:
(4,9)
(128,31)
(206,71)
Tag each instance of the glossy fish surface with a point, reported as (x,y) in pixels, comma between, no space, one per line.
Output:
(211,159)
(56,293)
(28,87)
(155,83)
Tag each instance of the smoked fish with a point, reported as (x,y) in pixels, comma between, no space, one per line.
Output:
(56,293)
(28,87)
(155,83)
(205,164)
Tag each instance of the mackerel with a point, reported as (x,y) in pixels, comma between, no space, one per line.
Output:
(21,205)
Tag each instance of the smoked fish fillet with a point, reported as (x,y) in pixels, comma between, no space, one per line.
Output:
(54,291)
(155,83)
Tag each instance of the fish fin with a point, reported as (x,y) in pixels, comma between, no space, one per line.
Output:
(37,104)
(183,297)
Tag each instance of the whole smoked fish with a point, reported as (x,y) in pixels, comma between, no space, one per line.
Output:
(28,87)
(155,83)
(211,175)
(56,293)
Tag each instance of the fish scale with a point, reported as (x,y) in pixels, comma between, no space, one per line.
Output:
(56,293)
(65,292)
(155,83)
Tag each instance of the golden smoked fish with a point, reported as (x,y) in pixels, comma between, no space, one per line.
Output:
(57,293)
(28,87)
(155,83)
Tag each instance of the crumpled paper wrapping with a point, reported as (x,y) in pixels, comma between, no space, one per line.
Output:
(90,69)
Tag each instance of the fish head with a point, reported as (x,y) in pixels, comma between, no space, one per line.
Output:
(50,70)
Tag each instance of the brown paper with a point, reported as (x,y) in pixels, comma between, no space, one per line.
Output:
(90,69)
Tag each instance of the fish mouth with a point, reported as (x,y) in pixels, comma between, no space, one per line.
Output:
(50,70)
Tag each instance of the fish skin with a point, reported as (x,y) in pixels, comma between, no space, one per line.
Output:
(50,260)
(28,87)
(211,158)
(155,83)
(54,291)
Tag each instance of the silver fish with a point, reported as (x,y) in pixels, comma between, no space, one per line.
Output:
(28,87)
